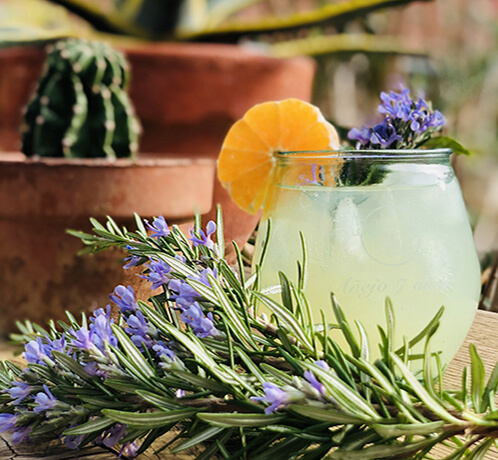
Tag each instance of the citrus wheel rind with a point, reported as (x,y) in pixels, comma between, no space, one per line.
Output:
(247,157)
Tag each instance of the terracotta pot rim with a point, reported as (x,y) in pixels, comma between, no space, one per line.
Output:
(227,51)
(100,163)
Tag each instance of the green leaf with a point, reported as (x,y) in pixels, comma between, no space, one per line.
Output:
(240,420)
(220,234)
(335,13)
(376,452)
(197,439)
(191,343)
(348,399)
(477,375)
(346,329)
(413,429)
(287,319)
(489,391)
(176,265)
(281,376)
(161,402)
(140,225)
(201,382)
(102,403)
(72,365)
(149,419)
(97,425)
(443,142)
(133,352)
(327,44)
(233,315)
(432,404)
(425,331)
(326,415)
(286,292)
(251,366)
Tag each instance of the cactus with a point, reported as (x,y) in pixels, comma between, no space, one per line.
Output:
(81,108)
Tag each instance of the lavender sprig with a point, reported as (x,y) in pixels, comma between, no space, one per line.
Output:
(408,123)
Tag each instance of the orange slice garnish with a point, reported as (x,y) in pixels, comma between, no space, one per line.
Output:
(247,157)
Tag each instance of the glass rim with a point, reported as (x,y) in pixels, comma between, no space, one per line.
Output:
(379,154)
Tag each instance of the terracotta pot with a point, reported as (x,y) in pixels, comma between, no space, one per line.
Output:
(188,95)
(20,69)
(41,274)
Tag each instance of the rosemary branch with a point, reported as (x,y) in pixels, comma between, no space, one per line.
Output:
(195,358)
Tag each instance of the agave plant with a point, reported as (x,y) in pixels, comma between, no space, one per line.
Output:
(218,21)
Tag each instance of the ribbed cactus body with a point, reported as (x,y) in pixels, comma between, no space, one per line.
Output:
(81,108)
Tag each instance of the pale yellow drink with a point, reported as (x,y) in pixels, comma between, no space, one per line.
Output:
(407,237)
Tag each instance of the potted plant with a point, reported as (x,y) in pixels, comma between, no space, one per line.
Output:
(80,138)
(190,82)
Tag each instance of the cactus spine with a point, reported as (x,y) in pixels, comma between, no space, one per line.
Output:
(81,108)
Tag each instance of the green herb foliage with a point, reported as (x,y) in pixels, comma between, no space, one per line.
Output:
(214,391)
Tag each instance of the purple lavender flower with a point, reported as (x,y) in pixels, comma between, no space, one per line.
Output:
(101,328)
(182,293)
(201,325)
(396,105)
(40,350)
(315,176)
(138,328)
(82,339)
(203,276)
(45,400)
(159,273)
(311,378)
(73,441)
(7,422)
(407,123)
(98,334)
(94,369)
(129,449)
(112,436)
(205,237)
(56,344)
(21,434)
(274,396)
(34,352)
(186,294)
(384,134)
(131,260)
(162,349)
(124,298)
(321,363)
(19,391)
(159,227)
(361,135)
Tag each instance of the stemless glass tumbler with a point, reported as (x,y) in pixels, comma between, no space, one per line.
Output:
(377,224)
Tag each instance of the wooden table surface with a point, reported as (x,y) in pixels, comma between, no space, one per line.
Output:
(483,333)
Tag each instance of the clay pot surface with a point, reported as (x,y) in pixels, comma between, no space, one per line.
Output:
(189,95)
(20,69)
(70,189)
(41,274)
